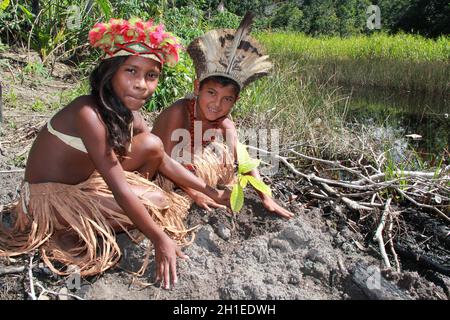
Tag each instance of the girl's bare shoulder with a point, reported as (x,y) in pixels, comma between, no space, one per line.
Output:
(84,108)
(83,113)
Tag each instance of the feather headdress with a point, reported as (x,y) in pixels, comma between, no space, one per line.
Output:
(230,53)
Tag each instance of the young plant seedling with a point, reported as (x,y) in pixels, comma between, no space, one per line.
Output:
(245,166)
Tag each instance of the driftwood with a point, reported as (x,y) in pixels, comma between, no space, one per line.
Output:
(11,270)
(414,186)
(369,190)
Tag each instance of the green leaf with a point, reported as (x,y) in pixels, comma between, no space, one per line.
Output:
(245,163)
(4,4)
(25,10)
(259,185)
(243,180)
(248,166)
(59,36)
(242,153)
(237,198)
(105,7)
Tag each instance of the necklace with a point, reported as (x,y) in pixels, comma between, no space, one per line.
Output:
(192,105)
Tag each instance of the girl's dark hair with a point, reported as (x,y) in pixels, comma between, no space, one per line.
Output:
(224,81)
(114,114)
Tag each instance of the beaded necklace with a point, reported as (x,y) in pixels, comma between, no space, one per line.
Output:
(192,105)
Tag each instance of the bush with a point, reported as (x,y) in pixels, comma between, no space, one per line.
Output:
(175,83)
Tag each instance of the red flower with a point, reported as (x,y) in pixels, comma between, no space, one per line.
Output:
(96,33)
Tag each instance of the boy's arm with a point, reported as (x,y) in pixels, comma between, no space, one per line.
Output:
(268,201)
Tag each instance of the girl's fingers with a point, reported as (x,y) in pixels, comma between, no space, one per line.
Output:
(173,271)
(166,275)
(158,271)
(161,271)
(217,205)
(181,255)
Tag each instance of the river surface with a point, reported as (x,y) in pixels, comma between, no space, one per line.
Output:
(410,113)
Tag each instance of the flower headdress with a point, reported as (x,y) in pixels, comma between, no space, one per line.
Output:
(135,37)
(229,53)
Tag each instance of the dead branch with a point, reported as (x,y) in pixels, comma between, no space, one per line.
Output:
(422,259)
(58,294)
(426,206)
(12,171)
(32,294)
(379,233)
(391,243)
(11,270)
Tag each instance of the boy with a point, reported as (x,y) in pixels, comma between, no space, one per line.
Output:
(225,62)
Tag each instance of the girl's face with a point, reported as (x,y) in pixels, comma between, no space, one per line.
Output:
(135,81)
(214,100)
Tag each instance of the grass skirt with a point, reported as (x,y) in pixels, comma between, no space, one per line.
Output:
(46,208)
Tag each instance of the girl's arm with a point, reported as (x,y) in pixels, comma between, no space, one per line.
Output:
(186,179)
(93,133)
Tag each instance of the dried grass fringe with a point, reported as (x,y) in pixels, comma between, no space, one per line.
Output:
(35,217)
(80,207)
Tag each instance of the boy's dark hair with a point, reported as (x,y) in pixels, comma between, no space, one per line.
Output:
(224,81)
(114,114)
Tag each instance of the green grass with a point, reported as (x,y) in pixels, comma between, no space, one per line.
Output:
(403,61)
(401,47)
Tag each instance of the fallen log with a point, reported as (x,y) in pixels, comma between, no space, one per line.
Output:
(422,260)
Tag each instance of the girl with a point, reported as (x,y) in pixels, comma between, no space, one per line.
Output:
(225,62)
(88,169)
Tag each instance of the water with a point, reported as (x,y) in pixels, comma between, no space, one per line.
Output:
(409,113)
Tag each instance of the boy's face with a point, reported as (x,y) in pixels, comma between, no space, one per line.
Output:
(215,100)
(135,81)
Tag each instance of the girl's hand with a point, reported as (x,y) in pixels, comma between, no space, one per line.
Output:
(223,197)
(166,253)
(205,202)
(274,207)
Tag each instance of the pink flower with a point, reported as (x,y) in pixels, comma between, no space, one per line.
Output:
(172,55)
(148,24)
(157,36)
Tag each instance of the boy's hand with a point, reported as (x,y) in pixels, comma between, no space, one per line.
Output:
(274,207)
(166,253)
